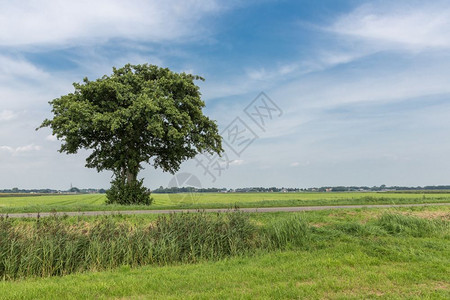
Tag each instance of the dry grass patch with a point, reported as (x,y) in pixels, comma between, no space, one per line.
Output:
(318,225)
(305,283)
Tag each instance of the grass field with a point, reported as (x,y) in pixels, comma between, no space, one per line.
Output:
(96,202)
(392,253)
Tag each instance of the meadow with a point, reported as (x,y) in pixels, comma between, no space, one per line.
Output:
(388,253)
(96,202)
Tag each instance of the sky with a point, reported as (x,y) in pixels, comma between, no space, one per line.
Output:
(354,92)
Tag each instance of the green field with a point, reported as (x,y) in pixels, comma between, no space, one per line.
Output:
(96,202)
(388,253)
(394,253)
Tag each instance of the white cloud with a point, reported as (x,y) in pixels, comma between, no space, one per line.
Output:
(56,22)
(257,74)
(251,82)
(51,138)
(399,24)
(11,67)
(329,59)
(7,115)
(237,162)
(382,82)
(20,149)
(24,86)
(28,148)
(295,164)
(287,69)
(7,149)
(264,74)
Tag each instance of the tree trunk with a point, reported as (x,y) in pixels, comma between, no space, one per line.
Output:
(131,177)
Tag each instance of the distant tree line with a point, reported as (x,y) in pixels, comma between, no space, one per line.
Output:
(380,188)
(169,190)
(51,191)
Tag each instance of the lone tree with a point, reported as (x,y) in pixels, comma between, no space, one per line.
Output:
(140,114)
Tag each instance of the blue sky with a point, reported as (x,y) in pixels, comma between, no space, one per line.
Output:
(363,86)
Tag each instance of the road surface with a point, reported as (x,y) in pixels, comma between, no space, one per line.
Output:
(170,211)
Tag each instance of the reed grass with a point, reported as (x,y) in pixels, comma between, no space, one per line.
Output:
(50,246)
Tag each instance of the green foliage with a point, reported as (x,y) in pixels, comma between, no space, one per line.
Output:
(74,190)
(139,114)
(128,194)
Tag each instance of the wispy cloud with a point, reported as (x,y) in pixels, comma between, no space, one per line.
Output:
(51,138)
(268,74)
(367,30)
(7,115)
(371,28)
(54,22)
(16,67)
(27,148)
(237,162)
(7,149)
(252,81)
(24,85)
(20,149)
(417,26)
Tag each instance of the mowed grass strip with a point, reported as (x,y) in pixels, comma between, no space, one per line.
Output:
(96,202)
(372,254)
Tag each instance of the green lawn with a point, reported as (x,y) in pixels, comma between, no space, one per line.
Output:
(96,202)
(350,256)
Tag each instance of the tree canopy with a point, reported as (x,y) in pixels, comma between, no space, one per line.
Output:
(139,114)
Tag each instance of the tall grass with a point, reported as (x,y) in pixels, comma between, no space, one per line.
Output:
(287,233)
(51,247)
(397,224)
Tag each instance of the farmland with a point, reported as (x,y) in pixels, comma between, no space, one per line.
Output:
(388,253)
(350,253)
(96,202)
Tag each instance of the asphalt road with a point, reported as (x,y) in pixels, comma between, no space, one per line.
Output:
(252,210)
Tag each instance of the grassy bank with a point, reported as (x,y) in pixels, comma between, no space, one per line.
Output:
(364,253)
(96,202)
